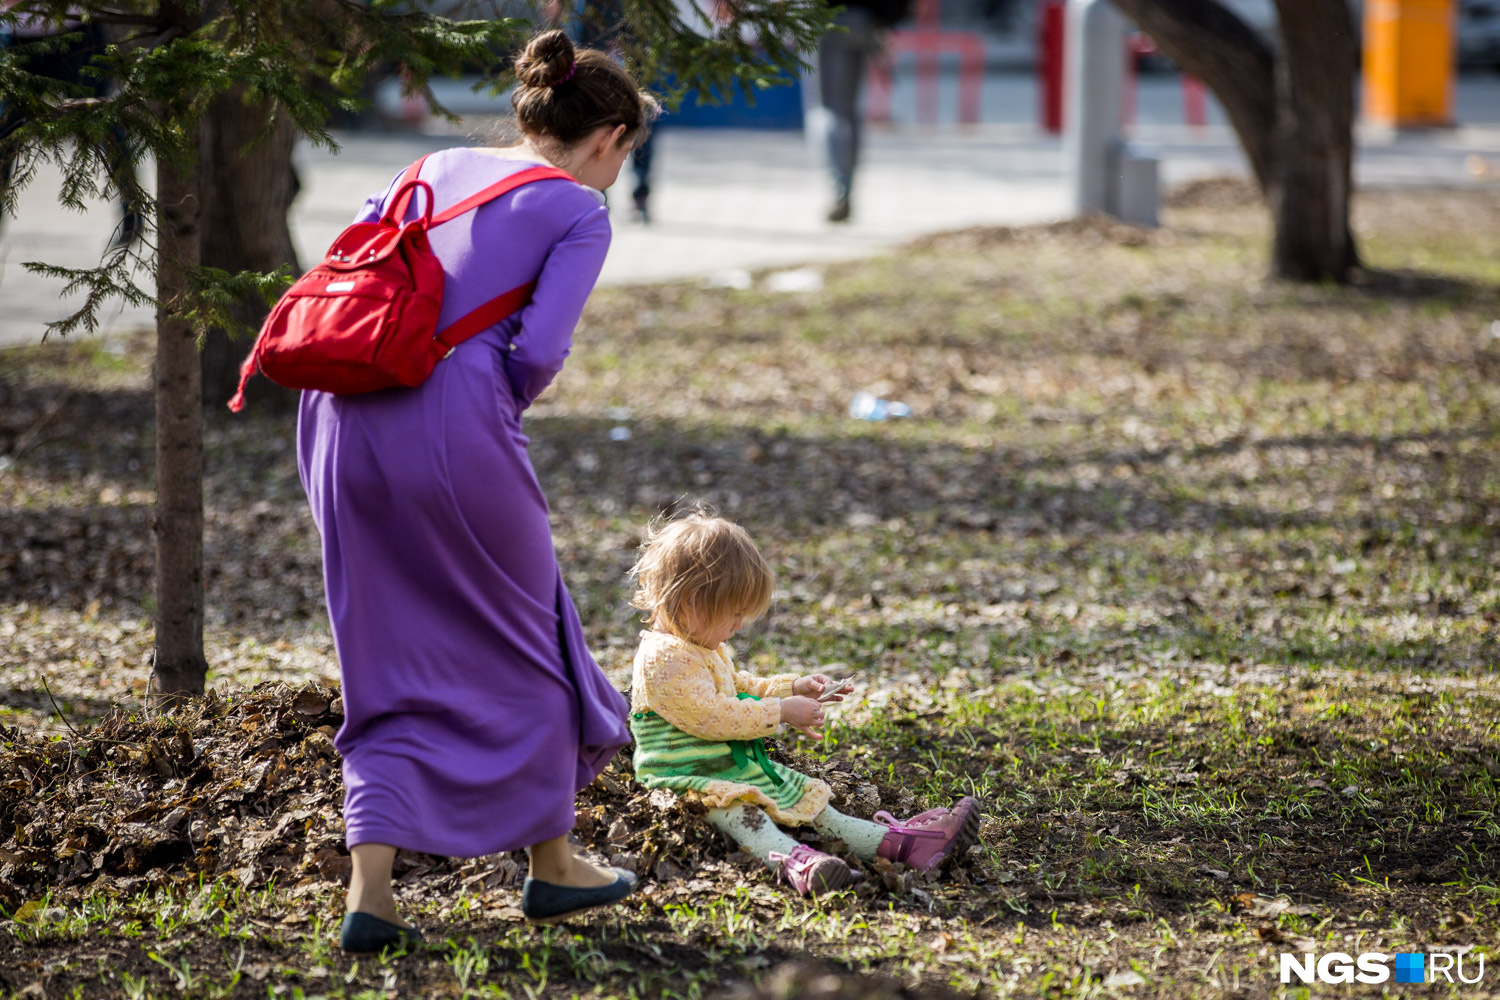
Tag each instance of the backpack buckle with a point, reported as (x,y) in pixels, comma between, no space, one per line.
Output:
(445,357)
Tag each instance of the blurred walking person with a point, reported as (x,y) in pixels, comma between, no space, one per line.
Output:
(857,36)
(598,24)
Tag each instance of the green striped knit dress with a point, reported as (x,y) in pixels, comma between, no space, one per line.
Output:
(698,725)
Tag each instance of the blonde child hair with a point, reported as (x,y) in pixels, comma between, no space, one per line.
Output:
(704,562)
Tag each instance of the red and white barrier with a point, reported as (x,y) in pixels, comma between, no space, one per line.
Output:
(1050,37)
(928,43)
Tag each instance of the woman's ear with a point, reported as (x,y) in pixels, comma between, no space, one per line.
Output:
(612,139)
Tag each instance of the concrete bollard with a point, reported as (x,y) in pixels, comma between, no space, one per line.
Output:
(1094,65)
(1138,186)
(1103,174)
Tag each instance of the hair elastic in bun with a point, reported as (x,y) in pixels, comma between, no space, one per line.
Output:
(571,70)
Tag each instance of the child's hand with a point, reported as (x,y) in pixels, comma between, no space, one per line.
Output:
(822,687)
(803,714)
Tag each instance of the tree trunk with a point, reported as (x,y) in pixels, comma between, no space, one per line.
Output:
(1293,112)
(250,185)
(1212,43)
(178,666)
(1310,180)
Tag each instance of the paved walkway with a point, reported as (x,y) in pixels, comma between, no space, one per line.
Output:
(733,200)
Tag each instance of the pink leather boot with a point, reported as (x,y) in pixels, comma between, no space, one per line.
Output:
(811,872)
(925,841)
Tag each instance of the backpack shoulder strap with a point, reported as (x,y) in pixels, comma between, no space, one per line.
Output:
(412,171)
(495,190)
(501,306)
(397,210)
(484,317)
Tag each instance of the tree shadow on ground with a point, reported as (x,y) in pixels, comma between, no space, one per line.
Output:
(73,707)
(802,482)
(1379,445)
(790,489)
(1408,285)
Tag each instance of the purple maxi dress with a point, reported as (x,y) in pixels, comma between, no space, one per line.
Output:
(473,710)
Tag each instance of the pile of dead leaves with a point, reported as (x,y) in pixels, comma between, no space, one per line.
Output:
(249,787)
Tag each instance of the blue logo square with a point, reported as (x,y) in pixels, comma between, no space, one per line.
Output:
(1410,967)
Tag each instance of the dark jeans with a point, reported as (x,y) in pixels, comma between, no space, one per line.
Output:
(843,57)
(597,24)
(640,167)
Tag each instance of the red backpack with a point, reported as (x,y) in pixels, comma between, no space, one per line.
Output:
(366,317)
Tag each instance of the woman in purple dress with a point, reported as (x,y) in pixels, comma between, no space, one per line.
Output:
(473,710)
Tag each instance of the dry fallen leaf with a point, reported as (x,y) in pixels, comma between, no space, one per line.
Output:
(1267,906)
(1128,977)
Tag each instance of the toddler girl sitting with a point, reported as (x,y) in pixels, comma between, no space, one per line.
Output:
(698,722)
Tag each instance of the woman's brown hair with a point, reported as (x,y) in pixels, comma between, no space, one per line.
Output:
(563,93)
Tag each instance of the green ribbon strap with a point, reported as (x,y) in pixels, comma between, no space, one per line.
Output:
(744,751)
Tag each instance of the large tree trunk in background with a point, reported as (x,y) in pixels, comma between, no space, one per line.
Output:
(179,666)
(1212,43)
(1311,183)
(250,185)
(1292,110)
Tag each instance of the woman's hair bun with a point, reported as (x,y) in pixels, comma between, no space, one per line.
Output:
(547,60)
(598,92)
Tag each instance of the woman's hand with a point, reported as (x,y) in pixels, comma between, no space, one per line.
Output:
(802,714)
(821,687)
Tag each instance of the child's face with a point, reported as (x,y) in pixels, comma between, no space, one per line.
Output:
(711,634)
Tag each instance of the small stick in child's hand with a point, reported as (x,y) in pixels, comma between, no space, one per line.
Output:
(836,690)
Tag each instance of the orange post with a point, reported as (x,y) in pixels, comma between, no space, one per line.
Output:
(1408,62)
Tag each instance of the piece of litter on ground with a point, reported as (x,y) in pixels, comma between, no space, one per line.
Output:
(732,277)
(801,279)
(618,414)
(621,433)
(868,406)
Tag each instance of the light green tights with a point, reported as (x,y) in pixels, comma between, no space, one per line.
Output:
(752,829)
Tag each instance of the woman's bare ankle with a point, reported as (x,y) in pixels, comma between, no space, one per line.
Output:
(588,875)
(370,882)
(574,872)
(375,906)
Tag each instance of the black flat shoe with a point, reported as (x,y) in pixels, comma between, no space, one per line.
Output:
(545,902)
(365,932)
